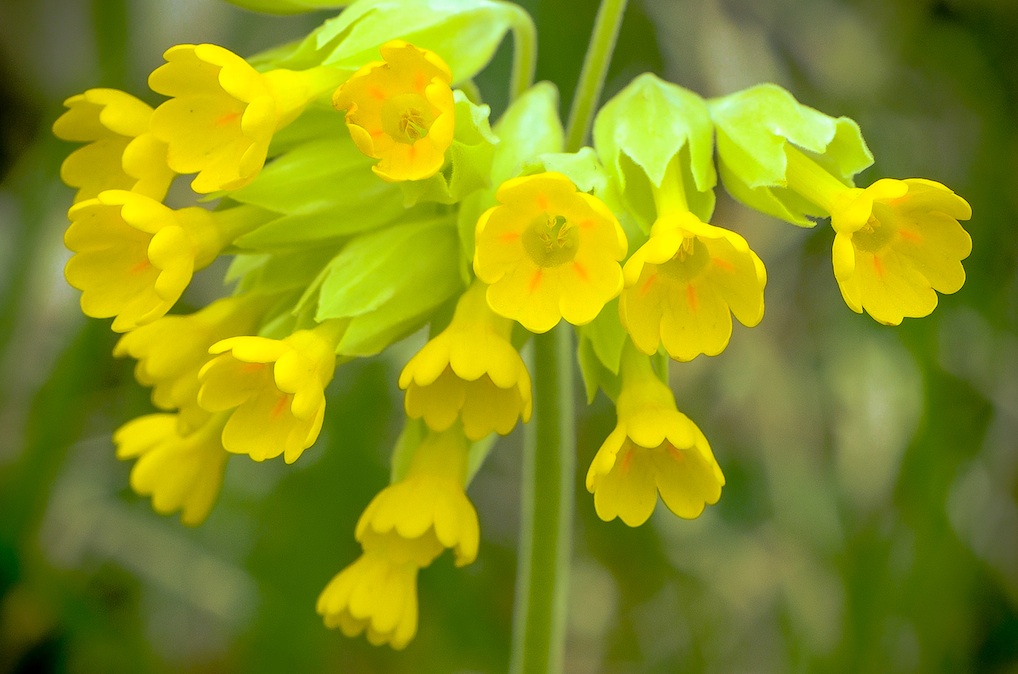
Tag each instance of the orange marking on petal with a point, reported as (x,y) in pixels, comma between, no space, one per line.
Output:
(228,118)
(508,237)
(377,93)
(723,265)
(691,298)
(376,133)
(581,271)
(587,224)
(420,81)
(911,237)
(878,267)
(144,265)
(535,280)
(648,284)
(542,202)
(281,406)
(627,462)
(251,367)
(675,453)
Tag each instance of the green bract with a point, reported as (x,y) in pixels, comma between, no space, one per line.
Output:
(643,128)
(754,127)
(464,33)
(288,6)
(599,351)
(389,282)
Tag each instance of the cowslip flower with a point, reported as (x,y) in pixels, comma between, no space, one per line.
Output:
(179,471)
(685,283)
(471,372)
(653,449)
(133,256)
(172,350)
(222,112)
(404,528)
(548,252)
(120,152)
(273,388)
(400,111)
(897,242)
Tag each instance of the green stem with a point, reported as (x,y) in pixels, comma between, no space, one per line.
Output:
(549,462)
(595,67)
(524,54)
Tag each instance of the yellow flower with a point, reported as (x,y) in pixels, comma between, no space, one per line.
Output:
(180,472)
(400,111)
(684,284)
(133,256)
(172,350)
(275,389)
(471,372)
(548,252)
(223,112)
(403,529)
(896,242)
(121,153)
(653,449)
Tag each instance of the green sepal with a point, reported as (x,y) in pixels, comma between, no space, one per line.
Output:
(642,129)
(464,33)
(389,281)
(755,125)
(410,438)
(289,6)
(607,336)
(264,273)
(595,374)
(468,159)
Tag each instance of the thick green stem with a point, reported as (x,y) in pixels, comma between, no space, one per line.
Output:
(595,67)
(524,55)
(549,463)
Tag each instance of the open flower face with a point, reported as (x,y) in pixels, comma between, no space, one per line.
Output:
(684,284)
(400,111)
(898,243)
(548,252)
(276,389)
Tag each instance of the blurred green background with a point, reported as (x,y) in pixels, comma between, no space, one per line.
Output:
(870,520)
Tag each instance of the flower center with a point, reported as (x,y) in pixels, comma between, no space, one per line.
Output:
(551,240)
(688,262)
(407,118)
(875,235)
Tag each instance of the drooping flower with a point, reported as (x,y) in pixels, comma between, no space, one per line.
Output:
(222,112)
(400,111)
(471,372)
(548,252)
(653,449)
(120,154)
(179,471)
(896,243)
(685,283)
(274,387)
(172,350)
(133,256)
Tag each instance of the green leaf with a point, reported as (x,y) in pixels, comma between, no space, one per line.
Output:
(464,33)
(755,125)
(650,123)
(389,282)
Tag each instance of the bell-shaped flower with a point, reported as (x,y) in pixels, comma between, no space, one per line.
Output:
(654,449)
(471,372)
(274,388)
(401,111)
(222,112)
(179,471)
(133,256)
(120,152)
(896,243)
(172,350)
(685,283)
(548,252)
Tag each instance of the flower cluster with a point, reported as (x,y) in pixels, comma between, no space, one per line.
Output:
(364,195)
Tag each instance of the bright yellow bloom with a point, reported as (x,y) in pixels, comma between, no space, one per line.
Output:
(179,472)
(134,256)
(896,242)
(548,252)
(172,350)
(684,284)
(275,389)
(653,449)
(401,111)
(121,153)
(471,372)
(403,529)
(223,112)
